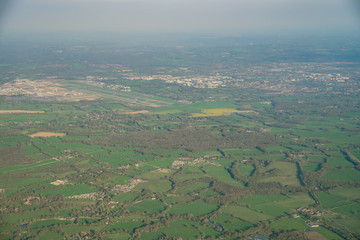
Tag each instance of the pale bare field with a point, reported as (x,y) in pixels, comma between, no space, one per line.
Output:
(315,236)
(47,134)
(19,111)
(59,182)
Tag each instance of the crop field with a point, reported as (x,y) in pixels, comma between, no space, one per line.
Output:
(19,111)
(46,134)
(219,112)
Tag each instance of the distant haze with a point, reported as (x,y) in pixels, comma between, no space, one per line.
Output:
(175,16)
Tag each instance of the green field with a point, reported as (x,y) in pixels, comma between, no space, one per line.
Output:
(231,223)
(71,190)
(148,206)
(181,228)
(347,174)
(245,213)
(196,209)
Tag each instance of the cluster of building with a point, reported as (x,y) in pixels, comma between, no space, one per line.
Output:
(283,78)
(310,211)
(39,88)
(198,81)
(129,187)
(92,196)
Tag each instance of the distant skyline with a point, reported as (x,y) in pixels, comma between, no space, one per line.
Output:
(233,17)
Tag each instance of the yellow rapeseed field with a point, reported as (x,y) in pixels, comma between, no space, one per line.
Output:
(219,112)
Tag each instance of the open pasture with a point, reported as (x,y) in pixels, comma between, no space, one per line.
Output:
(196,209)
(159,186)
(156,174)
(114,159)
(161,163)
(351,210)
(283,172)
(11,141)
(147,206)
(27,216)
(276,205)
(69,190)
(311,167)
(118,236)
(245,213)
(245,169)
(175,199)
(329,200)
(262,198)
(23,182)
(351,223)
(32,166)
(181,229)
(288,223)
(129,226)
(351,193)
(126,197)
(231,223)
(221,174)
(71,230)
(337,160)
(347,174)
(49,223)
(192,188)
(190,173)
(208,193)
(50,235)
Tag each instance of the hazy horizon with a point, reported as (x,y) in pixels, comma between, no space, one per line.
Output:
(227,17)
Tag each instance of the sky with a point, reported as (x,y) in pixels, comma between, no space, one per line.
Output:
(179,16)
